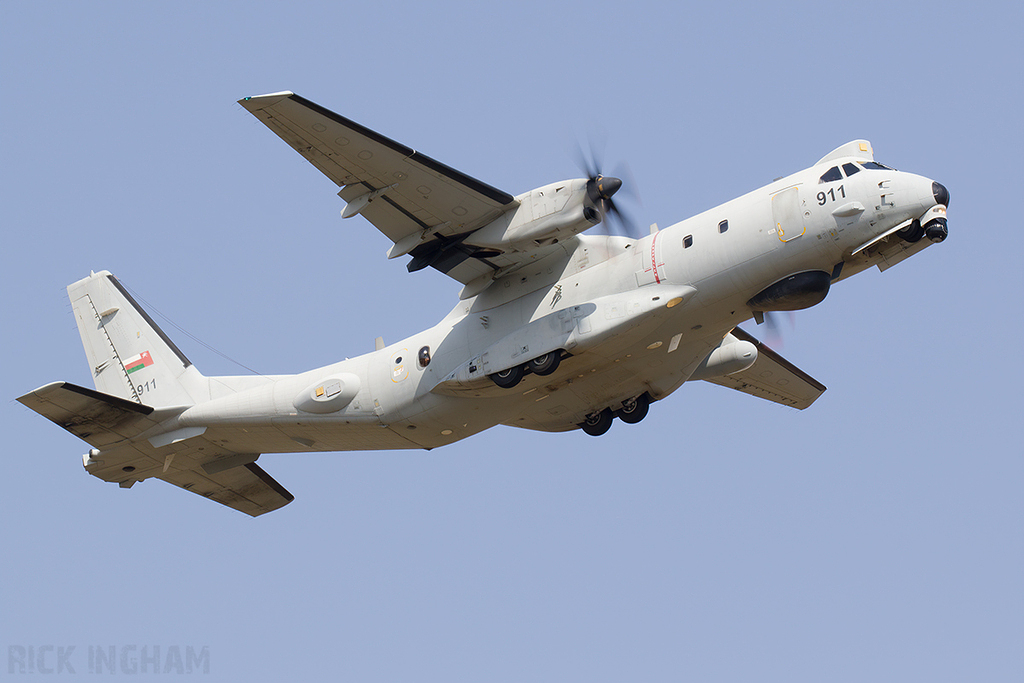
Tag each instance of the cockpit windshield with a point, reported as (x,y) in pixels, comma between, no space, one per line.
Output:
(831,175)
(875,166)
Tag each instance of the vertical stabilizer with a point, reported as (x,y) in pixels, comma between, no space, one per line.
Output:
(129,355)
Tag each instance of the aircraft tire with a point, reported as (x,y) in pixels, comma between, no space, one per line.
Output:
(597,423)
(506,379)
(546,364)
(912,233)
(635,410)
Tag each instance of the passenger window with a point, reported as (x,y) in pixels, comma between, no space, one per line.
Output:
(831,175)
(687,241)
(851,169)
(424,356)
(723,226)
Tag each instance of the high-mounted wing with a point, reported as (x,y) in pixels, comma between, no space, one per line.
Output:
(425,207)
(772,378)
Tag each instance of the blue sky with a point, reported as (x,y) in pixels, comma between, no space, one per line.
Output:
(875,536)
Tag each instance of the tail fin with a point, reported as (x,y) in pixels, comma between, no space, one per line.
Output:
(129,355)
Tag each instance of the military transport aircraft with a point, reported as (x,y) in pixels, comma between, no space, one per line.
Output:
(554,330)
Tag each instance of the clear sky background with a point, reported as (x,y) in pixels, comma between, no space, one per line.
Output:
(876,536)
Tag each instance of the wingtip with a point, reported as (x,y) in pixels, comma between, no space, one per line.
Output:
(260,101)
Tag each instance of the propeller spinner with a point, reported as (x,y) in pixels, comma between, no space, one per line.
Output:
(600,189)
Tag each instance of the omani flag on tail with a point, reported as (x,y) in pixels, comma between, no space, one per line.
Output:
(143,360)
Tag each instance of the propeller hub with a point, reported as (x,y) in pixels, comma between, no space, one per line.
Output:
(607,186)
(601,188)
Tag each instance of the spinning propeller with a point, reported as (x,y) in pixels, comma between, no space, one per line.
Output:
(774,335)
(600,189)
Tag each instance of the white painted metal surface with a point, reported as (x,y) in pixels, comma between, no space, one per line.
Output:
(588,325)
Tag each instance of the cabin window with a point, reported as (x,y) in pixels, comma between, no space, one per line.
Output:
(424,356)
(687,241)
(875,166)
(831,175)
(851,169)
(723,226)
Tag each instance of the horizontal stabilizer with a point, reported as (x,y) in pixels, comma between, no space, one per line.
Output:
(117,427)
(772,378)
(98,419)
(246,488)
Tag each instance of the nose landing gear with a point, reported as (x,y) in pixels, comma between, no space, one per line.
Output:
(912,233)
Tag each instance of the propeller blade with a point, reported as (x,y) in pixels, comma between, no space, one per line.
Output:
(773,328)
(627,227)
(600,189)
(589,163)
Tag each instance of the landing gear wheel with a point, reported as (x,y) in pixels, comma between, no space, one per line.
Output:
(912,233)
(506,379)
(634,410)
(546,364)
(597,424)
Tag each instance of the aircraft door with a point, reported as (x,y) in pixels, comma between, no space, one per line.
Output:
(787,212)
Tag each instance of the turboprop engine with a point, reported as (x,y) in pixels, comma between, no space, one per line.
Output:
(549,215)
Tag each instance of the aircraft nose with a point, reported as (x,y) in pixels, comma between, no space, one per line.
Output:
(941,194)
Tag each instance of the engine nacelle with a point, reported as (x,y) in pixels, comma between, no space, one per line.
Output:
(547,215)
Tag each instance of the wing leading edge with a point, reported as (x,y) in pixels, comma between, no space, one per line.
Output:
(424,206)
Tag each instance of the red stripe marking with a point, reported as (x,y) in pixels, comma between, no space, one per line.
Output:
(654,261)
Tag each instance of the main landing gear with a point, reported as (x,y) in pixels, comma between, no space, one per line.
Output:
(631,412)
(541,365)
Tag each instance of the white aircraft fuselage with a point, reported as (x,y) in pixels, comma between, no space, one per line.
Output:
(571,330)
(619,288)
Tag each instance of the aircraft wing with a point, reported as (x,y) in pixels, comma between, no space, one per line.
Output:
(773,378)
(118,429)
(422,205)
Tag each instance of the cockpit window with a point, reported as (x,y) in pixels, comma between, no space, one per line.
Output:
(850,169)
(831,175)
(875,166)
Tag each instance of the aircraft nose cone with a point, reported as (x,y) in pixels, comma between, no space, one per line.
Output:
(941,194)
(608,186)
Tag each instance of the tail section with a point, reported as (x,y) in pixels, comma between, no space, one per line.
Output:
(129,355)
